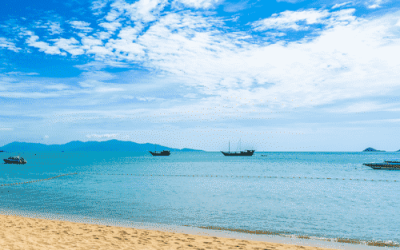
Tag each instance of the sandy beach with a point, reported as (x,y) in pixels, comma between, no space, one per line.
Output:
(30,233)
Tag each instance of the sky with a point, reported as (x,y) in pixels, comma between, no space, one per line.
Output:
(279,75)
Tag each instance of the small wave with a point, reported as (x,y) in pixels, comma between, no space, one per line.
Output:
(306,237)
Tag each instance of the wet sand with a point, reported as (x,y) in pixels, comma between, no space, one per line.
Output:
(30,233)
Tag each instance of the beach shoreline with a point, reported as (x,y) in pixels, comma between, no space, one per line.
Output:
(296,241)
(19,232)
(39,231)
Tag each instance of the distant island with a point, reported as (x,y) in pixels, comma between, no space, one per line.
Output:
(372,150)
(90,146)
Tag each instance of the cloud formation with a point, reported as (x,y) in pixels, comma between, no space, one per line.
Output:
(303,20)
(374,4)
(101,136)
(216,63)
(6,44)
(176,62)
(81,25)
(199,4)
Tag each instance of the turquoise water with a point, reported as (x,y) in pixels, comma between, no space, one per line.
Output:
(322,195)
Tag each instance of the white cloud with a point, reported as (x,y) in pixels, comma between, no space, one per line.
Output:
(374,4)
(114,14)
(146,99)
(22,73)
(110,26)
(100,136)
(302,20)
(381,121)
(32,41)
(34,87)
(338,5)
(234,7)
(125,48)
(140,11)
(362,107)
(71,45)
(29,95)
(99,51)
(57,87)
(94,46)
(81,25)
(290,20)
(341,63)
(5,43)
(54,28)
(108,89)
(199,4)
(98,5)
(350,58)
(130,33)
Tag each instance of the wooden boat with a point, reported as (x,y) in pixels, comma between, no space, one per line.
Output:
(386,165)
(162,153)
(240,153)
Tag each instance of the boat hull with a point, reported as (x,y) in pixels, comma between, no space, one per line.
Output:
(383,166)
(13,162)
(162,153)
(242,153)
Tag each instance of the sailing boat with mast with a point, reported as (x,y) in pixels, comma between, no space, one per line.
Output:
(240,153)
(161,153)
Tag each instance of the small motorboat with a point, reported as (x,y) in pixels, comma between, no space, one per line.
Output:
(15,160)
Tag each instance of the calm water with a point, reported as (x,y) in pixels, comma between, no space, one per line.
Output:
(286,192)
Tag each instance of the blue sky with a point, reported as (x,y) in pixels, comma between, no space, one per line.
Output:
(279,75)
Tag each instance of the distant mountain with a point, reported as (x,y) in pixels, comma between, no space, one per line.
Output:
(112,145)
(372,150)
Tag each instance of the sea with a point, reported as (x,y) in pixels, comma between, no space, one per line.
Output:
(316,198)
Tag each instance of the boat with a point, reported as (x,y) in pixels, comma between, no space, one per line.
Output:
(386,165)
(240,153)
(15,160)
(162,153)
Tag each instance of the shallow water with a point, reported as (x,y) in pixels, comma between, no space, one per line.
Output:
(321,195)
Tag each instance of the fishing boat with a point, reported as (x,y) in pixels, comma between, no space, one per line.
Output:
(15,160)
(161,153)
(240,153)
(386,165)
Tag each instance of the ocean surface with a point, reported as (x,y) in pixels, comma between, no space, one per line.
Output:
(321,195)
